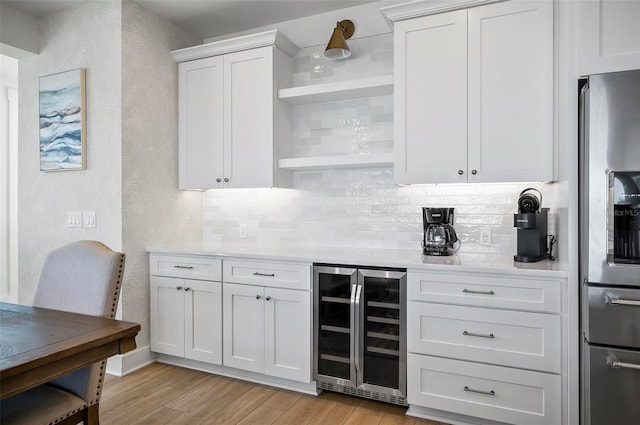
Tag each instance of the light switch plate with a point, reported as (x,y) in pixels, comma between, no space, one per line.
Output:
(74,218)
(89,219)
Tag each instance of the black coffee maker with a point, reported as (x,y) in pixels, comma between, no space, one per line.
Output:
(531,222)
(439,236)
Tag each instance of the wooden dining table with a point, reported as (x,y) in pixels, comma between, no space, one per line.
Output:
(38,344)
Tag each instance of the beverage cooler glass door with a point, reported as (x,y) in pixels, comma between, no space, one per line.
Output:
(334,325)
(380,347)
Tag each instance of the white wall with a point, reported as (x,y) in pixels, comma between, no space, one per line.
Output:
(89,37)
(154,211)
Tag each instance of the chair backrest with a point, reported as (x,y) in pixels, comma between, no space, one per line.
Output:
(82,277)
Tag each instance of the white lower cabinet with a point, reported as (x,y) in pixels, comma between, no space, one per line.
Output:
(485,346)
(186,318)
(485,391)
(508,338)
(267,318)
(267,330)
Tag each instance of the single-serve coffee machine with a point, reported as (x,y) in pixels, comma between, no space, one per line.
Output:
(531,222)
(439,236)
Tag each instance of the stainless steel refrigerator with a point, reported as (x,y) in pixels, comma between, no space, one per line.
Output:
(610,248)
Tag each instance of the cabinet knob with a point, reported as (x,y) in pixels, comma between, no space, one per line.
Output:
(268,298)
(187,289)
(258,297)
(218,180)
(226,180)
(179,288)
(460,172)
(474,172)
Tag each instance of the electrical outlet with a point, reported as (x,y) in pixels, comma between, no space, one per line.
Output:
(484,236)
(242,231)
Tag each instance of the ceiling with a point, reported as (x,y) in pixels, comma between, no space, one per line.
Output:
(208,18)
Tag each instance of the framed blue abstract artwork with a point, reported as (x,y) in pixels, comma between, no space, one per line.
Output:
(63,141)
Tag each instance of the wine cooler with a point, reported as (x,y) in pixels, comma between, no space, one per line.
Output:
(360,331)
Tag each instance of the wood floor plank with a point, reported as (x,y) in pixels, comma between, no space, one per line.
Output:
(337,409)
(262,415)
(161,394)
(241,407)
(159,416)
(368,412)
(303,411)
(282,400)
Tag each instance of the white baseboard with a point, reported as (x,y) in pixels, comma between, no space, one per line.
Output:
(123,364)
(301,387)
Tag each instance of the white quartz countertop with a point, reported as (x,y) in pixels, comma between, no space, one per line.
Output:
(409,259)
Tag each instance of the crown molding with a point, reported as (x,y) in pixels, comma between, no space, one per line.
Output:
(236,44)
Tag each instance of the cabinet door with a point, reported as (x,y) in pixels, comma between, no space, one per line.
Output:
(609,36)
(248,118)
(511,92)
(243,327)
(287,341)
(167,315)
(203,321)
(200,118)
(430,99)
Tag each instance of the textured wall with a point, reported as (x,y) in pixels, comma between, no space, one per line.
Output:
(362,207)
(154,211)
(88,37)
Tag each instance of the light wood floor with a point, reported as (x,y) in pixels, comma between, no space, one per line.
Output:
(164,394)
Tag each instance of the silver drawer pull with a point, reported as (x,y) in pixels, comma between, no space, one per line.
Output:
(471,390)
(621,365)
(613,300)
(264,274)
(183,267)
(469,291)
(480,335)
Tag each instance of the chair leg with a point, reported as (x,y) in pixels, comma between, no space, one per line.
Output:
(92,415)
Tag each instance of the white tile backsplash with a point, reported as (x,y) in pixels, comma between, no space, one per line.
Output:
(364,208)
(360,208)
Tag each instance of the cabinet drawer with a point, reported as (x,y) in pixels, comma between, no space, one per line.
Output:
(277,275)
(202,268)
(513,293)
(491,392)
(509,338)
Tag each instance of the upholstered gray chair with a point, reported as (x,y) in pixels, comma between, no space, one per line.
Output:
(82,277)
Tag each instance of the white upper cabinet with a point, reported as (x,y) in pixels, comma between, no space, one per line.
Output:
(510,122)
(474,94)
(229,118)
(249,144)
(609,36)
(200,108)
(430,98)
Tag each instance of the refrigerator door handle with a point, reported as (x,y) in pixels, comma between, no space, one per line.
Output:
(613,300)
(358,354)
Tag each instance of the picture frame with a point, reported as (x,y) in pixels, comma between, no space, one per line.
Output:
(62,121)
